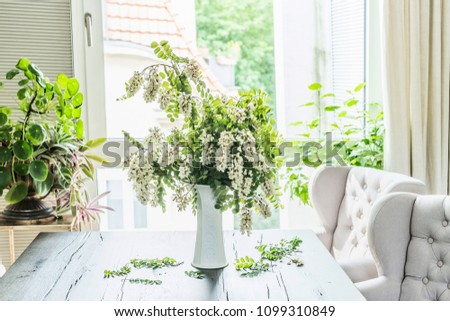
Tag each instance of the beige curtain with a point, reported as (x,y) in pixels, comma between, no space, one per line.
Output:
(416,67)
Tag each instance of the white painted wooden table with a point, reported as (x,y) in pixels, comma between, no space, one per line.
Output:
(69,266)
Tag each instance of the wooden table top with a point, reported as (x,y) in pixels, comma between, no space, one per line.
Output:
(69,266)
(62,223)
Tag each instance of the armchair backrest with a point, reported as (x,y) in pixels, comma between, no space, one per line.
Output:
(411,249)
(343,198)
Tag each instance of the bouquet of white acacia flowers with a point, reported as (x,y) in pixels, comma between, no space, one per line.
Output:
(227,143)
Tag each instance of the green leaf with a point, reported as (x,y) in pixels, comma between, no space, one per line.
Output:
(23,82)
(331,108)
(5,177)
(35,71)
(79,129)
(12,73)
(22,93)
(22,169)
(62,81)
(315,86)
(2,85)
(311,103)
(38,170)
(57,89)
(40,81)
(73,86)
(5,110)
(153,45)
(35,134)
(17,193)
(93,143)
(96,158)
(28,74)
(351,102)
(76,113)
(5,154)
(22,150)
(23,64)
(42,188)
(87,171)
(328,95)
(359,87)
(65,177)
(77,100)
(3,119)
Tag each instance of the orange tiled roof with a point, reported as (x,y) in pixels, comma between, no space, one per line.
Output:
(144,21)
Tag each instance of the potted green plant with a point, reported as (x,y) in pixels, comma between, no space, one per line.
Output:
(43,151)
(223,153)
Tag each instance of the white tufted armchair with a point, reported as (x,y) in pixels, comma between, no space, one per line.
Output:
(409,237)
(343,198)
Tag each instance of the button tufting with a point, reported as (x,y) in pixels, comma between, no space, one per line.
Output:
(444,223)
(379,190)
(448,286)
(365,186)
(430,240)
(440,263)
(351,227)
(425,280)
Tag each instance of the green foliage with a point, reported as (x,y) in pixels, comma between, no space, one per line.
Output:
(142,264)
(357,132)
(154,263)
(195,274)
(276,252)
(249,267)
(123,271)
(145,281)
(268,252)
(244,30)
(45,150)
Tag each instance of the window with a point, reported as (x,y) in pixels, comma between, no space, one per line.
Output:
(312,41)
(348,46)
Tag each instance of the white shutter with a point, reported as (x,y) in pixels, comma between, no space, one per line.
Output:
(39,31)
(347,46)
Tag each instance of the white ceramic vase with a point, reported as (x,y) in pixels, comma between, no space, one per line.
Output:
(209,248)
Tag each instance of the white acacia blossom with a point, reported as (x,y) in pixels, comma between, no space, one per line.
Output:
(262,206)
(193,70)
(165,97)
(141,174)
(237,114)
(134,84)
(184,170)
(185,103)
(152,84)
(246,220)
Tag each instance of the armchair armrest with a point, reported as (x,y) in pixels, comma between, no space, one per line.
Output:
(380,289)
(359,269)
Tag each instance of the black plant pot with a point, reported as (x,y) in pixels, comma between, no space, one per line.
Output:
(31,210)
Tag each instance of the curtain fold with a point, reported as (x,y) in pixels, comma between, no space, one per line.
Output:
(416,73)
